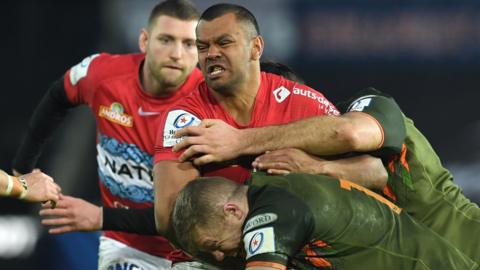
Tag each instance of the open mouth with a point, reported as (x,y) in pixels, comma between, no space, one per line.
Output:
(215,70)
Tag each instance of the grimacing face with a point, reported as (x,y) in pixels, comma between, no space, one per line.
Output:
(170,50)
(224,52)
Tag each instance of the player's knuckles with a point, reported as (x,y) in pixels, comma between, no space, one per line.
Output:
(196,149)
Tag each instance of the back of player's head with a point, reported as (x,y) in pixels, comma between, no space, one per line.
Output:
(282,70)
(200,205)
(241,13)
(180,9)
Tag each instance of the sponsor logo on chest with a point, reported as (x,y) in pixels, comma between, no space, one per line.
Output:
(115,113)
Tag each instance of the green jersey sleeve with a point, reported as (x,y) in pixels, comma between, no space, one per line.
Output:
(273,233)
(388,114)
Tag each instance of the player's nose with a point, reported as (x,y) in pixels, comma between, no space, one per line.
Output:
(176,51)
(218,255)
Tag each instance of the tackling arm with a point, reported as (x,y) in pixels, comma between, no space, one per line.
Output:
(169,178)
(321,135)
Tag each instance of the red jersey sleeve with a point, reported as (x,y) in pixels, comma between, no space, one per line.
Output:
(80,80)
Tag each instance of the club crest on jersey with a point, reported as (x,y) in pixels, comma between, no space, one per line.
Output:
(360,104)
(177,119)
(80,70)
(259,241)
(115,113)
(184,120)
(281,94)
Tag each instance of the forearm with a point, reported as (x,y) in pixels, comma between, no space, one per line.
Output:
(47,116)
(320,135)
(11,186)
(169,178)
(139,221)
(364,170)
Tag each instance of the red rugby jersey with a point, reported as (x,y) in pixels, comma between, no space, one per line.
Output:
(278,101)
(126,118)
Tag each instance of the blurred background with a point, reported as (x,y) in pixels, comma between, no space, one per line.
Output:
(424,53)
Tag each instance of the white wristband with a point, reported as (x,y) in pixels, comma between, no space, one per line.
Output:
(9,185)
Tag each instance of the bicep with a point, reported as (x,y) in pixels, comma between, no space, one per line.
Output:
(169,178)
(388,116)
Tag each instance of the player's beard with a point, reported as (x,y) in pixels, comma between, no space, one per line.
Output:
(169,78)
(226,86)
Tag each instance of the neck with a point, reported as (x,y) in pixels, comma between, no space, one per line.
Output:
(239,104)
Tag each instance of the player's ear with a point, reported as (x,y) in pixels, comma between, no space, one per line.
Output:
(232,209)
(257,47)
(143,40)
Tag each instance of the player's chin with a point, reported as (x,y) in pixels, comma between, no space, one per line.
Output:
(172,73)
(220,85)
(174,79)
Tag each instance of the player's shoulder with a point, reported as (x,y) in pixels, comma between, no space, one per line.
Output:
(283,87)
(367,97)
(114,64)
(198,97)
(103,65)
(295,94)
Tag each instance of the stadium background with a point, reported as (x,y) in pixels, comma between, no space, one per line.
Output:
(424,53)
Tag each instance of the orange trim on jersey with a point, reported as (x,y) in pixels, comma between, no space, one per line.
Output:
(403,157)
(387,191)
(403,160)
(345,184)
(319,243)
(382,140)
(312,256)
(267,264)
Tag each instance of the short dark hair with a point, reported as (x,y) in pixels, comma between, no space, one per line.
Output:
(242,14)
(282,70)
(181,9)
(198,205)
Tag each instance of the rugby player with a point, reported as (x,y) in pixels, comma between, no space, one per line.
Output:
(127,94)
(417,180)
(235,90)
(32,187)
(329,223)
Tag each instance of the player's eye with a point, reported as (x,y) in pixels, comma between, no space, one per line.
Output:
(189,44)
(224,42)
(201,47)
(164,40)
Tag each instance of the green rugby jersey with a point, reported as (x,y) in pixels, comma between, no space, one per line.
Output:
(418,182)
(319,222)
(425,189)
